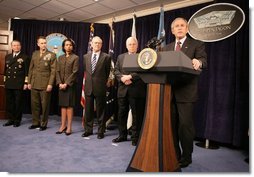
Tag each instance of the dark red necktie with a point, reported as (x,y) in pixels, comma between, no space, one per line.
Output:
(178,46)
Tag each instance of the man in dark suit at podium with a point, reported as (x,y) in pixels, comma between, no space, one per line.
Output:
(131,94)
(185,91)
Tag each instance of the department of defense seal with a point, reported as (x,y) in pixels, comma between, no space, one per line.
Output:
(147,58)
(216,22)
(54,43)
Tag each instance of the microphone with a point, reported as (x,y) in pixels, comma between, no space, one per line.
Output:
(160,40)
(154,42)
(151,43)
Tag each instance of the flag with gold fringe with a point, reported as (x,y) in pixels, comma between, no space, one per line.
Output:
(133,30)
(133,34)
(111,90)
(83,100)
(161,31)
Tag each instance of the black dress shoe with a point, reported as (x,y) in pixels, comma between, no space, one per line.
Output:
(119,139)
(43,128)
(60,132)
(67,133)
(100,135)
(129,131)
(184,163)
(86,134)
(34,127)
(16,124)
(134,143)
(8,124)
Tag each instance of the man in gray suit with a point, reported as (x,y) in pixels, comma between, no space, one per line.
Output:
(97,68)
(185,91)
(41,77)
(131,93)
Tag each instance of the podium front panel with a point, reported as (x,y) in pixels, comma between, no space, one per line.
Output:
(167,61)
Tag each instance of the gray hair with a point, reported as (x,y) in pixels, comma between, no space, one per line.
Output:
(131,38)
(178,18)
(97,37)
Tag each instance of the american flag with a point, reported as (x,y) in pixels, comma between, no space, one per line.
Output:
(133,34)
(111,50)
(83,100)
(111,40)
(133,30)
(110,99)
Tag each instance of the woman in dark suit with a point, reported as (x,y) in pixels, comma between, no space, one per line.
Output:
(66,75)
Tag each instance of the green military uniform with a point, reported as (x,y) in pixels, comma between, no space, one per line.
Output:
(41,74)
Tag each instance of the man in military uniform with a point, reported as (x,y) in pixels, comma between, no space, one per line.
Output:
(15,81)
(41,78)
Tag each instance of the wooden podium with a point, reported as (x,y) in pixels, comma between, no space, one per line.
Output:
(155,150)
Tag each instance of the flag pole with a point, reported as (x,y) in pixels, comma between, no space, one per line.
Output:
(83,100)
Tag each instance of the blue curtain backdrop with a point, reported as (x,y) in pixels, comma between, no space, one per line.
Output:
(222,111)
(27,32)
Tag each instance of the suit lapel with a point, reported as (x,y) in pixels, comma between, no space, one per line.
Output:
(40,58)
(19,55)
(171,47)
(89,64)
(99,62)
(185,46)
(12,60)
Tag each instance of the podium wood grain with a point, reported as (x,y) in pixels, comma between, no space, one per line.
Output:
(155,151)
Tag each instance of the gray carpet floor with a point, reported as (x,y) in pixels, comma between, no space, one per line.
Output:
(33,151)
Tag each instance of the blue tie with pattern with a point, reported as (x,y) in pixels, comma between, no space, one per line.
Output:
(93,62)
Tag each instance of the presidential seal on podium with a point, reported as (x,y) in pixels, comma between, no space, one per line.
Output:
(147,58)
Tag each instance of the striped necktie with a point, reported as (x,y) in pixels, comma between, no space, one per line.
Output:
(93,62)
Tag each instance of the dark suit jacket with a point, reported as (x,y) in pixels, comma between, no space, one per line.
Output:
(186,87)
(96,82)
(42,70)
(16,71)
(67,69)
(136,89)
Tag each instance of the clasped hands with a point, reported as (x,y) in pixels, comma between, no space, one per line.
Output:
(62,86)
(126,79)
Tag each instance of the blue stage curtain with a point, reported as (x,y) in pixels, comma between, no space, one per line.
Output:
(27,32)
(222,111)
